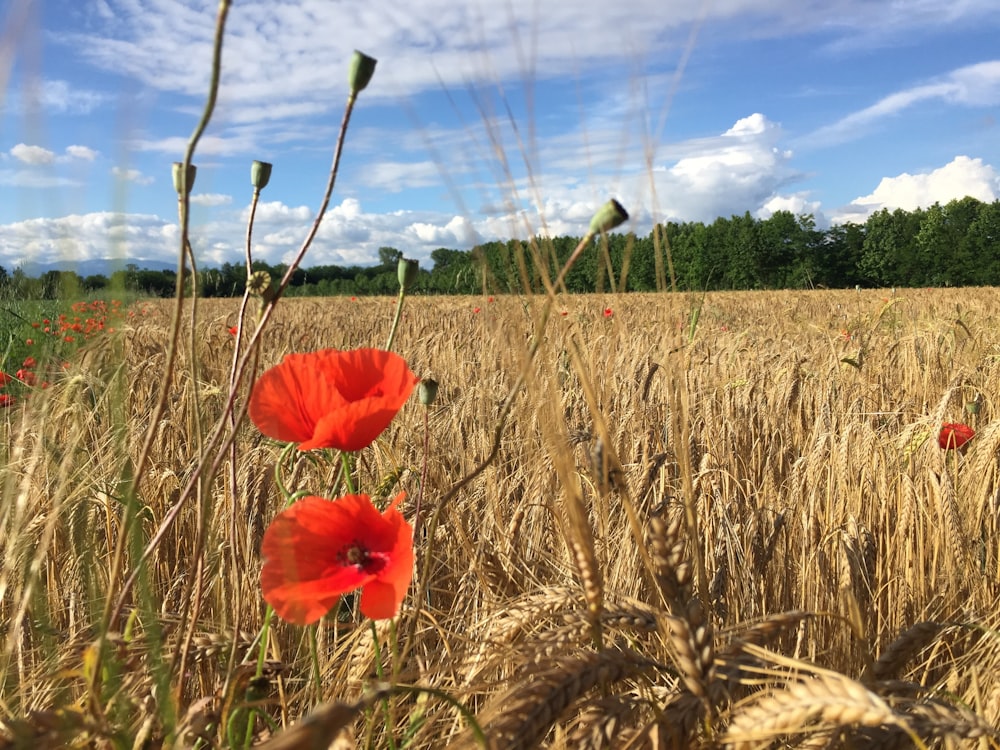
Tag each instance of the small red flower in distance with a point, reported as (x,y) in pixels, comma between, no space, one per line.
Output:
(608,312)
(27,376)
(490,299)
(5,379)
(29,362)
(319,549)
(475,310)
(29,342)
(331,398)
(233,330)
(955,435)
(6,400)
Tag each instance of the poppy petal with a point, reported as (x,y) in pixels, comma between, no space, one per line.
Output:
(330,398)
(307,551)
(379,601)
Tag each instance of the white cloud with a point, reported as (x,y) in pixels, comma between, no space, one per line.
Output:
(209,145)
(796,203)
(81,152)
(132,175)
(33,178)
(279,55)
(393,177)
(972,86)
(961,177)
(54,97)
(738,171)
(211,199)
(84,237)
(458,232)
(32,154)
(39,156)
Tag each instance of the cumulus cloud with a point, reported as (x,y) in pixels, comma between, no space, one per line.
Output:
(131,175)
(738,171)
(32,154)
(796,203)
(211,199)
(39,156)
(81,152)
(960,177)
(83,237)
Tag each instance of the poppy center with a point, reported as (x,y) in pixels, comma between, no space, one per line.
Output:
(360,557)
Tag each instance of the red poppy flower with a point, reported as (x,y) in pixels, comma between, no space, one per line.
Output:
(6,400)
(475,310)
(29,362)
(955,435)
(331,398)
(5,379)
(608,312)
(233,330)
(564,313)
(319,549)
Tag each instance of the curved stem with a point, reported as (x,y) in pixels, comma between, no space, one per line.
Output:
(112,607)
(395,319)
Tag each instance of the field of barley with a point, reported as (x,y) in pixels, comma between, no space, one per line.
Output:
(660,521)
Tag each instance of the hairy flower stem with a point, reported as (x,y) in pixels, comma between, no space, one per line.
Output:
(396,317)
(209,462)
(385,700)
(112,607)
(234,549)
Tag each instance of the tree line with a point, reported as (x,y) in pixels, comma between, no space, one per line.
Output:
(956,244)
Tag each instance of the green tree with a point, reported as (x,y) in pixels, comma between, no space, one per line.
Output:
(983,240)
(389,256)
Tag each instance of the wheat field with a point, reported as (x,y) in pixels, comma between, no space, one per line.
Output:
(715,520)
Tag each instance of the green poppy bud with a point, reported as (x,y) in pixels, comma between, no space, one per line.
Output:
(608,216)
(260,174)
(406,272)
(181,185)
(427,391)
(360,72)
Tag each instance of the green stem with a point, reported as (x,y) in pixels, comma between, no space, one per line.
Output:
(395,319)
(113,606)
(470,718)
(348,479)
(265,632)
(385,700)
(314,653)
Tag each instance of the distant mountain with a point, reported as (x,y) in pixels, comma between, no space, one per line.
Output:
(94,267)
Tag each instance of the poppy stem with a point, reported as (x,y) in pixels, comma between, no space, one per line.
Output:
(395,319)
(314,656)
(379,673)
(348,479)
(423,477)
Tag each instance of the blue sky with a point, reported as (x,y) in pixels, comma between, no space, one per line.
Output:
(484,120)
